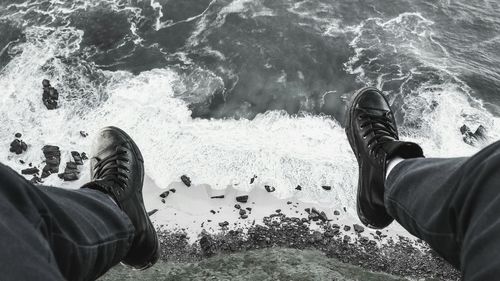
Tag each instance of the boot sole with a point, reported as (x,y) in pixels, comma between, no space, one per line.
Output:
(156,254)
(350,137)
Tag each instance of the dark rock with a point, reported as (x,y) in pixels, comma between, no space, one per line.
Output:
(84,156)
(345,210)
(242,212)
(298,187)
(242,199)
(270,188)
(186,180)
(278,211)
(35,180)
(213,212)
(173,190)
(358,228)
(22,162)
(152,212)
(18,146)
(337,213)
(164,194)
(289,203)
(244,217)
(252,180)
(52,160)
(207,246)
(223,224)
(69,176)
(218,197)
(30,171)
(18,135)
(163,201)
(84,134)
(249,209)
(50,95)
(347,228)
(378,232)
(77,157)
(308,210)
(471,138)
(237,206)
(327,187)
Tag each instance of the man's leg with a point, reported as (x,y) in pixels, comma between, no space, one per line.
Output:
(454,205)
(55,234)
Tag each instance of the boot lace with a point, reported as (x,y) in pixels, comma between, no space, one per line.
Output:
(382,128)
(112,169)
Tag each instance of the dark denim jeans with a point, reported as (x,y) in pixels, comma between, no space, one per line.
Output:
(454,205)
(49,233)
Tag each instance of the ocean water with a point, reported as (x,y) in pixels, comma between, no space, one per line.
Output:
(222,90)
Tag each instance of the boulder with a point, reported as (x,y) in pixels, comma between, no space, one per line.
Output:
(270,188)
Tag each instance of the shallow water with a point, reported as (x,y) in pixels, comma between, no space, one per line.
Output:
(269,264)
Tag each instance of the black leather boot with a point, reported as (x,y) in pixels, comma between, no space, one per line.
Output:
(373,136)
(117,169)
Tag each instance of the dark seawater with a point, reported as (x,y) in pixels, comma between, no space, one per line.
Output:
(241,58)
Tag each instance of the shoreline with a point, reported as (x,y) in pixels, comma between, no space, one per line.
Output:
(211,226)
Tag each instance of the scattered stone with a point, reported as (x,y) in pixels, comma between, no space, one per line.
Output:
(84,134)
(242,212)
(471,138)
(237,206)
(52,160)
(298,187)
(278,211)
(77,157)
(378,232)
(218,197)
(71,172)
(270,188)
(163,201)
(345,210)
(50,95)
(347,228)
(173,190)
(337,213)
(213,212)
(206,246)
(327,187)
(30,171)
(223,224)
(164,194)
(84,156)
(249,209)
(18,135)
(244,217)
(308,210)
(289,203)
(186,180)
(152,212)
(242,199)
(18,146)
(36,180)
(22,162)
(358,228)
(252,180)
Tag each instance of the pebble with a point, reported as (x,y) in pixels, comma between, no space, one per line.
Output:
(186,180)
(327,187)
(358,228)
(242,199)
(270,188)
